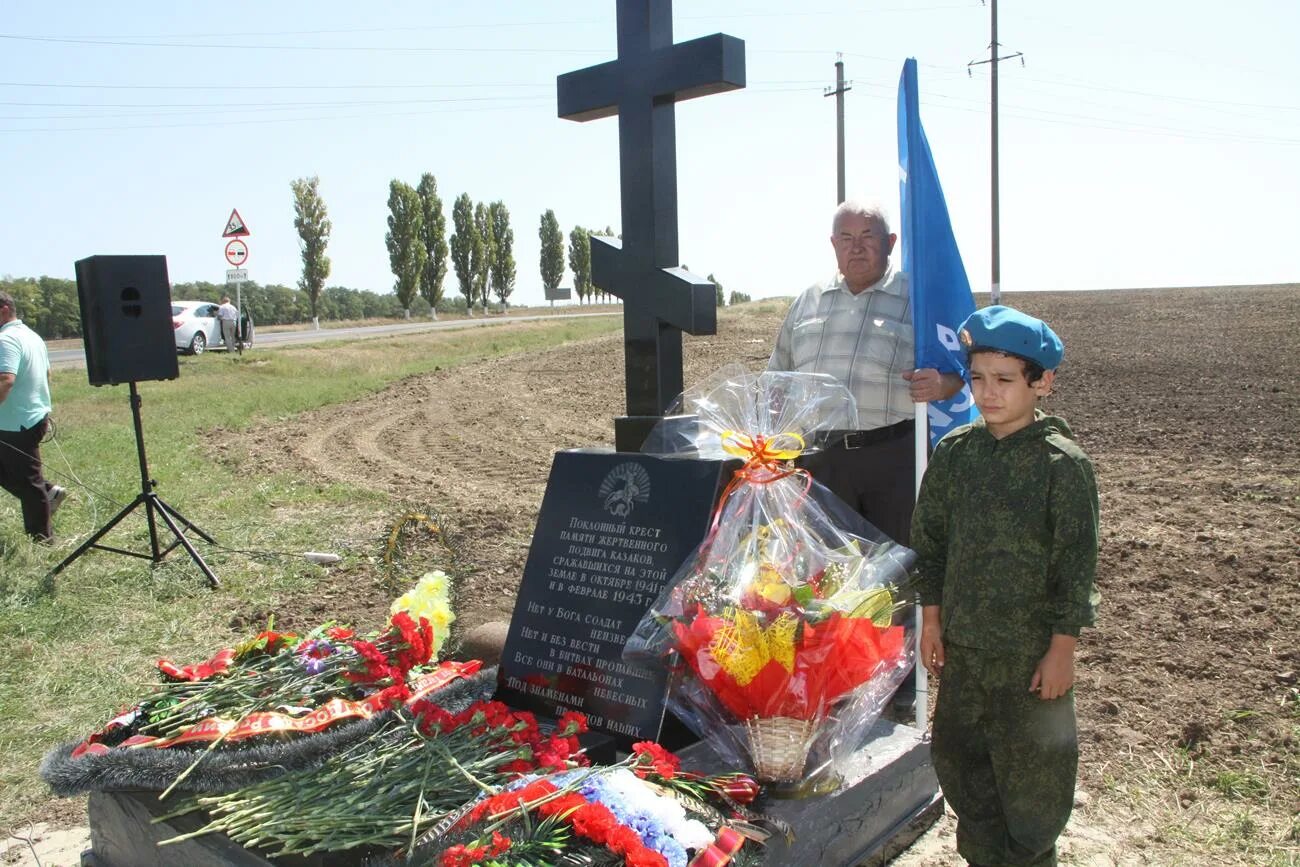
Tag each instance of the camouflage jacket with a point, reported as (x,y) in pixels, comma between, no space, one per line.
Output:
(1005,533)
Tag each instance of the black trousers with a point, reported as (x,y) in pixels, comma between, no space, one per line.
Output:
(877,480)
(20,475)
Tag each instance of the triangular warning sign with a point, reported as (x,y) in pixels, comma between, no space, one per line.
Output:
(235,227)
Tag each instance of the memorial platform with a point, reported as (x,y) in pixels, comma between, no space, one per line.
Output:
(891,797)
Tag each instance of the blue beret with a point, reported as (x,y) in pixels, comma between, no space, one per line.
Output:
(1006,329)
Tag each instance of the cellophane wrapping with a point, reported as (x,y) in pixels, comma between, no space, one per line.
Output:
(789,628)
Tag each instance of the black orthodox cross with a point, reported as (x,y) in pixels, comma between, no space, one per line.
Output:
(660,300)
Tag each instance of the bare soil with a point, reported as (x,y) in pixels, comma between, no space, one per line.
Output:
(1186,399)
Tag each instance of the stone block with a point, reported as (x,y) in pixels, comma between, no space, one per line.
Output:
(890,797)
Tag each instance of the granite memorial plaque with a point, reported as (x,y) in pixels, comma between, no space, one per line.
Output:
(613,529)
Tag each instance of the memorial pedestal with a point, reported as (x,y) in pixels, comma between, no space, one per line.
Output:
(123,834)
(890,798)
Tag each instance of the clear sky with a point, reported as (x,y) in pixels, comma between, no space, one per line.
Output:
(1144,142)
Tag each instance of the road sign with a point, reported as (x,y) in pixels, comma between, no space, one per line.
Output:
(235,227)
(236,252)
(236,275)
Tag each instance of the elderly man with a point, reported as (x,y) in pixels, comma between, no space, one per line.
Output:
(228,319)
(24,411)
(858,328)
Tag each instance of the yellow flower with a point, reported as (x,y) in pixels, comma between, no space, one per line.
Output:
(429,599)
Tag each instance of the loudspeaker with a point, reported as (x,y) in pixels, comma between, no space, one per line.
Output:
(126,319)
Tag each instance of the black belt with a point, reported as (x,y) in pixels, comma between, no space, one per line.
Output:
(856,439)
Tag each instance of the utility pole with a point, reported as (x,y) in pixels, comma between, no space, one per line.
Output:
(994,59)
(841,87)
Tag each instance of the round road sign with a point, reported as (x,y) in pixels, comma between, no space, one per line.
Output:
(237,252)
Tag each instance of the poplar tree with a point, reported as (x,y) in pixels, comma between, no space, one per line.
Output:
(406,252)
(552,253)
(313,236)
(480,259)
(434,237)
(462,247)
(580,261)
(503,253)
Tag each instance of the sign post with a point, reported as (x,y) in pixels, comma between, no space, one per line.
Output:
(237,254)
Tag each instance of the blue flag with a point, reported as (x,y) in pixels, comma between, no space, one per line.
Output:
(941,296)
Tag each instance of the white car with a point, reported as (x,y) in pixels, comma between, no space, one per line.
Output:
(197,328)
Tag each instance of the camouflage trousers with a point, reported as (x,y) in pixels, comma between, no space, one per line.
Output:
(1006,760)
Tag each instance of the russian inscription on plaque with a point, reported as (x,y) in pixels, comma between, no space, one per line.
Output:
(613,529)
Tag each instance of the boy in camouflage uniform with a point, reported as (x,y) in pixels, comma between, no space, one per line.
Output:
(1005,530)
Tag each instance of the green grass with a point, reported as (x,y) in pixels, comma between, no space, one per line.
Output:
(76,650)
(1239,785)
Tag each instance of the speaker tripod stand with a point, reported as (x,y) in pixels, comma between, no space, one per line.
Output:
(155,509)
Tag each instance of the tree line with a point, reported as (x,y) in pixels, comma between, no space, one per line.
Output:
(480,252)
(49,304)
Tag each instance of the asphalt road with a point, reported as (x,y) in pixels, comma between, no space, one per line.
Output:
(60,358)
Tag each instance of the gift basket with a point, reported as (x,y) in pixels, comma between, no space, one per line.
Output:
(788,629)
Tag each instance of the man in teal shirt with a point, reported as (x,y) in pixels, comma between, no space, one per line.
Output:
(24,416)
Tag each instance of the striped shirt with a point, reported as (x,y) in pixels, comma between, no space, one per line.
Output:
(865,341)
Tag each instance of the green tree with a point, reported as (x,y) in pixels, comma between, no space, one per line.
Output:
(503,253)
(406,252)
(739,297)
(580,261)
(480,260)
(463,243)
(313,237)
(722,297)
(435,243)
(343,303)
(60,313)
(607,232)
(552,252)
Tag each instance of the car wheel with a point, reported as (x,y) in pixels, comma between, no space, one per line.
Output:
(198,344)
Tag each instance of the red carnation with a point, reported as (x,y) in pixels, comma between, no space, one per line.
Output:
(594,821)
(572,723)
(457,856)
(651,756)
(644,857)
(433,719)
(392,695)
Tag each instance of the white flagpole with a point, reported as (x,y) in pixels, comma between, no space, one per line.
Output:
(922,442)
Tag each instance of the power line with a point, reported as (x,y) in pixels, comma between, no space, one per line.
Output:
(388,49)
(1017,112)
(496,25)
(166,109)
(1154,95)
(946,71)
(1033,114)
(255,105)
(548,84)
(222,123)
